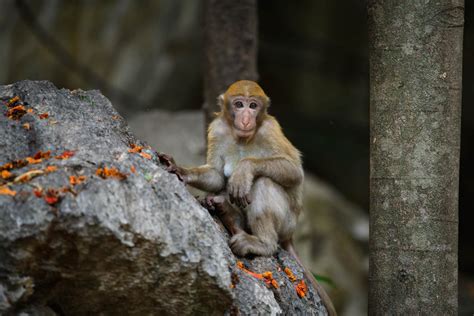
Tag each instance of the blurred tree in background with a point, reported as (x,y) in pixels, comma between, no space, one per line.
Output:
(415,118)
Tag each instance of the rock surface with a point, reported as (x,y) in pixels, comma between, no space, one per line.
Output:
(332,234)
(137,243)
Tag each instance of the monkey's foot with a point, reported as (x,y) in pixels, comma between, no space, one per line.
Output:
(239,243)
(243,244)
(213,202)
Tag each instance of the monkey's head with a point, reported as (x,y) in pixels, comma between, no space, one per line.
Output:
(244,106)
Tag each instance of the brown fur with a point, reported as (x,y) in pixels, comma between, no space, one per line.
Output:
(259,177)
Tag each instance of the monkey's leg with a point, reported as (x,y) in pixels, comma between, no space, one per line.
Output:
(267,218)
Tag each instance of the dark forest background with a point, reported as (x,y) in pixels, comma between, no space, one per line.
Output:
(312,62)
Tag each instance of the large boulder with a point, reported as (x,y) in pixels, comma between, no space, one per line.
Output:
(332,235)
(91,223)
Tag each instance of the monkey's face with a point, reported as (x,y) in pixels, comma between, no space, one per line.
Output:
(244,112)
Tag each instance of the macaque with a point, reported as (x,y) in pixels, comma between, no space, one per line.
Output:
(256,175)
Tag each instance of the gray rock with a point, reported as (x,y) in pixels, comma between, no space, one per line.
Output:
(332,235)
(137,246)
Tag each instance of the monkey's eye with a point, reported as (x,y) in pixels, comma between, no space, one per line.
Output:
(253,105)
(239,104)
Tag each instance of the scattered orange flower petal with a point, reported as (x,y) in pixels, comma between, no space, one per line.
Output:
(32,160)
(13,100)
(19,163)
(290,274)
(135,148)
(50,169)
(110,172)
(4,190)
(240,264)
(7,166)
(40,154)
(275,284)
(145,155)
(73,180)
(38,192)
(14,164)
(6,174)
(301,289)
(68,189)
(16,112)
(138,149)
(268,275)
(29,111)
(27,176)
(43,116)
(27,126)
(65,155)
(132,169)
(51,197)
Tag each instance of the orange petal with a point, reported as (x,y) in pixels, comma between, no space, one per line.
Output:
(145,155)
(4,190)
(32,160)
(6,174)
(65,155)
(290,274)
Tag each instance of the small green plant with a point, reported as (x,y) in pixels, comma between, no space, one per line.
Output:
(324,279)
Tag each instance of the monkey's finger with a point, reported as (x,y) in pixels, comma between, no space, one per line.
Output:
(242,202)
(247,198)
(238,192)
(211,205)
(236,200)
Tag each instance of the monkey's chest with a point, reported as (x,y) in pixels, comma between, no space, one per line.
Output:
(229,167)
(231,161)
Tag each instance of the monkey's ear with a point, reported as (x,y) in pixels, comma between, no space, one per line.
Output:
(220,101)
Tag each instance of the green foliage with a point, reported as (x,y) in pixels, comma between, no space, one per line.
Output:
(324,279)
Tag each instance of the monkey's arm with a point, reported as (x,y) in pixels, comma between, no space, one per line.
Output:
(280,169)
(209,177)
(206,178)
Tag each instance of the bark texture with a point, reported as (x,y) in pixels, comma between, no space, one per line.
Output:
(415,112)
(230,41)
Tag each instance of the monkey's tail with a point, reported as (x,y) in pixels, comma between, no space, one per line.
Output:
(288,246)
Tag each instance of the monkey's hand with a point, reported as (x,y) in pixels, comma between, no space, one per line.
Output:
(240,183)
(172,167)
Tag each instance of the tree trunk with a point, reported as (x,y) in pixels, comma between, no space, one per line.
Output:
(230,41)
(415,115)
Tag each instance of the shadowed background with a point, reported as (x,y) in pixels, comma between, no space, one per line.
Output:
(146,56)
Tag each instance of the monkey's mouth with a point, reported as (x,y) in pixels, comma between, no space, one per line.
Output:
(244,132)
